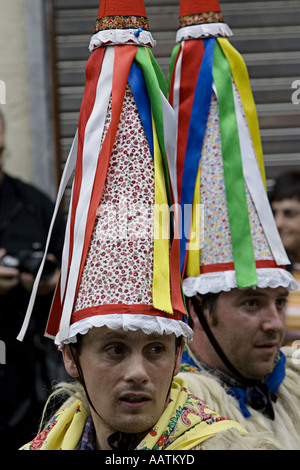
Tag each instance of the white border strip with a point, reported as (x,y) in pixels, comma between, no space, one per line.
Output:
(201,31)
(121,37)
(256,187)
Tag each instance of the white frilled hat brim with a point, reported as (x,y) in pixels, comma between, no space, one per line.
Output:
(202,31)
(226,280)
(115,37)
(148,324)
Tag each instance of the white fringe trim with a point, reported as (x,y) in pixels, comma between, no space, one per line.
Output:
(121,36)
(226,280)
(199,31)
(127,322)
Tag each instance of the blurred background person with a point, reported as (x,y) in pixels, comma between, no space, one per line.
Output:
(285,202)
(25,216)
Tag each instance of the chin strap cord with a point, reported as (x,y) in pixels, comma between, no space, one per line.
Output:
(257,394)
(121,441)
(118,441)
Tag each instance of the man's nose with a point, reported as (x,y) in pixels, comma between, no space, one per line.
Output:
(273,319)
(135,369)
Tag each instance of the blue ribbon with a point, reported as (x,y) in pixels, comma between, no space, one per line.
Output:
(241,396)
(198,121)
(138,87)
(276,377)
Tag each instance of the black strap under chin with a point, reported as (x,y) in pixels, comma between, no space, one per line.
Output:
(260,398)
(215,344)
(121,441)
(258,395)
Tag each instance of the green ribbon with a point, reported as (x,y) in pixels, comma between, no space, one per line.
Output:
(172,62)
(241,238)
(155,82)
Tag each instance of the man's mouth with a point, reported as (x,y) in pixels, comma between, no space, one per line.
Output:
(134,401)
(268,347)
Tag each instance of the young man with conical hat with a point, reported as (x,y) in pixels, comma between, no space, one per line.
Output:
(232,258)
(118,315)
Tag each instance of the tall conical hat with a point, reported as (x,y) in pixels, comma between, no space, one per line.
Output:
(120,265)
(229,238)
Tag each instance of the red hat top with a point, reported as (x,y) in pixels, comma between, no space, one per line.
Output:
(121,14)
(194,12)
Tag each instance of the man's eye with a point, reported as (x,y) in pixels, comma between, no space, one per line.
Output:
(115,350)
(156,349)
(290,214)
(281,303)
(250,303)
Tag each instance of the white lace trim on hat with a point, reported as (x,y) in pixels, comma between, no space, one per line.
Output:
(146,323)
(121,36)
(199,31)
(226,280)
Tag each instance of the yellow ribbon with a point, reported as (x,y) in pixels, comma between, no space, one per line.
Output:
(193,249)
(161,261)
(161,256)
(241,77)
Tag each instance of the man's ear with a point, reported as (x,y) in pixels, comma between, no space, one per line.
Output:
(69,361)
(196,322)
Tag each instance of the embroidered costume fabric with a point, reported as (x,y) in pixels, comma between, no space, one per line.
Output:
(244,395)
(186,422)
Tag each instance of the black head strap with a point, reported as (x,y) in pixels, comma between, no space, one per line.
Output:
(258,394)
(215,344)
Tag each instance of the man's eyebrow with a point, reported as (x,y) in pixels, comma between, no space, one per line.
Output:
(114,335)
(251,293)
(284,294)
(256,293)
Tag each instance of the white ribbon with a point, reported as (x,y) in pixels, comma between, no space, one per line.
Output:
(170,142)
(90,154)
(256,188)
(67,173)
(176,103)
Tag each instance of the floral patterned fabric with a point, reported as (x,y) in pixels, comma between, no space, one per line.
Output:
(207,17)
(119,264)
(121,22)
(217,241)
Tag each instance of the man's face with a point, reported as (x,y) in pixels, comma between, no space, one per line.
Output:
(287,218)
(128,375)
(250,328)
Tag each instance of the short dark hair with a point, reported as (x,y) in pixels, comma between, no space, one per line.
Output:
(287,186)
(208,301)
